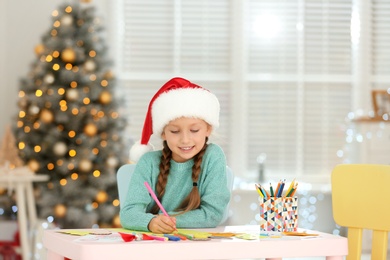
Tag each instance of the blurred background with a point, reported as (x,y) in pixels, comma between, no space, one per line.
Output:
(303,84)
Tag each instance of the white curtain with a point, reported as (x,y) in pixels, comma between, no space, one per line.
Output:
(285,71)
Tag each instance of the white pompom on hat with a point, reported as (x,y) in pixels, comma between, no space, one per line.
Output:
(176,98)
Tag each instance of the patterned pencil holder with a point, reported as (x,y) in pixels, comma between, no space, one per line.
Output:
(279,214)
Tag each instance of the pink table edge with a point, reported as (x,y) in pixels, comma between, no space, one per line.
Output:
(330,246)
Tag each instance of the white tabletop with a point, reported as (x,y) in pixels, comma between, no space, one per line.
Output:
(23,178)
(20,174)
(75,247)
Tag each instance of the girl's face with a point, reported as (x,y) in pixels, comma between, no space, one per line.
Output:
(186,137)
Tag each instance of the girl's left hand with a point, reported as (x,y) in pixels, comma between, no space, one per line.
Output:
(162,224)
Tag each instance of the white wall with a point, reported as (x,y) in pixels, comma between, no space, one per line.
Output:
(2,64)
(22,24)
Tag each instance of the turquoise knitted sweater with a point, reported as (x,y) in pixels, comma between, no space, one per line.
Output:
(212,187)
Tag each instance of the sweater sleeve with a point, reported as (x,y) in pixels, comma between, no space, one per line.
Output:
(212,185)
(213,190)
(133,213)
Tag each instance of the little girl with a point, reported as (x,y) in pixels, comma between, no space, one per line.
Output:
(188,175)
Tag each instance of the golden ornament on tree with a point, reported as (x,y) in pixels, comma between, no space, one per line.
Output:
(85,165)
(109,75)
(105,97)
(60,210)
(101,196)
(39,49)
(68,55)
(46,116)
(90,129)
(33,165)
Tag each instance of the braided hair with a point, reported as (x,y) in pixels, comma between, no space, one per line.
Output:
(192,201)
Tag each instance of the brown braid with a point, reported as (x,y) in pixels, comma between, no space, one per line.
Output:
(192,201)
(165,164)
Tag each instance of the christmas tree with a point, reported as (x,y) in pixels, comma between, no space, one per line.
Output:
(69,125)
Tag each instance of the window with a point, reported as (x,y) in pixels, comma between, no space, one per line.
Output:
(285,72)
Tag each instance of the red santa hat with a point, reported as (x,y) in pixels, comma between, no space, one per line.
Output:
(176,98)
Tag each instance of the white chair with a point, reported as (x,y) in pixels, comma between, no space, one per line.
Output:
(125,172)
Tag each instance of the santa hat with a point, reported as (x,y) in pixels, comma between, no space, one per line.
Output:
(176,98)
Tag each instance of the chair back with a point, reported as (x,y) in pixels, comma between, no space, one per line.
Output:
(123,177)
(360,201)
(125,172)
(230,182)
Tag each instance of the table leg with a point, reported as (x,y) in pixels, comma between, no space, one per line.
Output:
(32,212)
(22,220)
(32,215)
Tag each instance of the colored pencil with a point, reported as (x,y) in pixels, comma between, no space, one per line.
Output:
(259,191)
(295,189)
(281,189)
(264,191)
(277,188)
(157,201)
(290,187)
(271,190)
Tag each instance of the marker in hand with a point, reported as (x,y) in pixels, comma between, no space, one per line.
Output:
(157,201)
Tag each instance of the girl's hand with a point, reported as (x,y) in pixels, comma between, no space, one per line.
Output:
(162,224)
